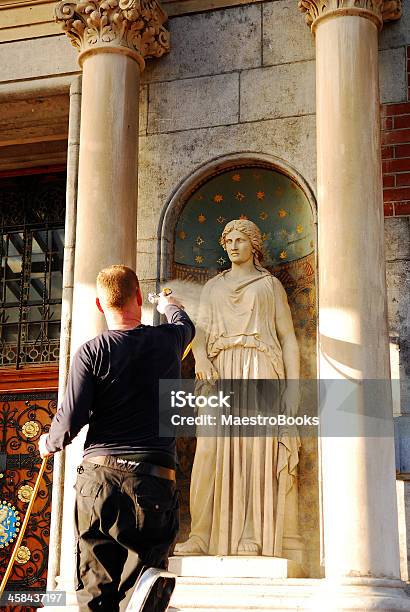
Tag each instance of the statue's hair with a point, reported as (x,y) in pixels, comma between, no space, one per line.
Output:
(118,284)
(251,230)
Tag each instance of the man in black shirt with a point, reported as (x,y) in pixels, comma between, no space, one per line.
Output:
(126,513)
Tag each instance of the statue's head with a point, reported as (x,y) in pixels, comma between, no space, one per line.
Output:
(242,240)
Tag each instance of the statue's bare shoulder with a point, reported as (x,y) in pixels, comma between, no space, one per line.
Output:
(213,281)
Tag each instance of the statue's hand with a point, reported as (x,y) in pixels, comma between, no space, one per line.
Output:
(290,401)
(204,370)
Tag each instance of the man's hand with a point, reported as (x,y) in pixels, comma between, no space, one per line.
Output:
(42,446)
(164,300)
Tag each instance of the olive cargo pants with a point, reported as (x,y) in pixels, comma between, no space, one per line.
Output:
(123,521)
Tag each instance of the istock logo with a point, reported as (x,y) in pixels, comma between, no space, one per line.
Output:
(181,399)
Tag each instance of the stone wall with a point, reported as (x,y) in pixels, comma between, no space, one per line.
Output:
(237,80)
(395,39)
(243,79)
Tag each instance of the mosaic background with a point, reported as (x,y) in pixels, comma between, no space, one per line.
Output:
(270,199)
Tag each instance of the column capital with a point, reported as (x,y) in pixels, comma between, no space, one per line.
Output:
(377,11)
(132,27)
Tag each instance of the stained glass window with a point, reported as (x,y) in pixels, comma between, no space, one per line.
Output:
(31,252)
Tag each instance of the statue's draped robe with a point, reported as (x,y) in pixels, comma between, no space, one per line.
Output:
(234,482)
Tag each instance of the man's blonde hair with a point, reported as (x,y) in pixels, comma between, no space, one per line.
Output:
(117,284)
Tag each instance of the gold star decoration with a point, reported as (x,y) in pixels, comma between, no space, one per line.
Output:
(182,235)
(199,240)
(293,186)
(299,228)
(283,255)
(201,218)
(282,212)
(218,198)
(239,196)
(283,233)
(199,197)
(221,219)
(236,177)
(311,244)
(243,217)
(265,237)
(221,261)
(263,215)
(260,195)
(199,259)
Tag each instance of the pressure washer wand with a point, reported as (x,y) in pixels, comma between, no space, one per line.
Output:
(153,299)
(23,527)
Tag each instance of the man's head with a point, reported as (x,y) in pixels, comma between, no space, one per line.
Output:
(118,289)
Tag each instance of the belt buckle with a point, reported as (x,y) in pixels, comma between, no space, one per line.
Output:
(127,462)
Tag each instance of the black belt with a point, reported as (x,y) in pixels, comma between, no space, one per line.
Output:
(137,467)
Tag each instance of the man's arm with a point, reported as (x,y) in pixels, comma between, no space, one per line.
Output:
(73,412)
(176,315)
(184,327)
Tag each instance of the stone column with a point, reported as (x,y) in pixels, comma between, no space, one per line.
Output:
(73,146)
(360,531)
(114,38)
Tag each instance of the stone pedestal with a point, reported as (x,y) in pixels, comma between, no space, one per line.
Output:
(234,567)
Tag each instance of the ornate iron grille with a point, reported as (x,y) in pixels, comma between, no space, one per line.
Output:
(32,212)
(23,418)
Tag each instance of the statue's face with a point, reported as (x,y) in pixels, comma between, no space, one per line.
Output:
(238,246)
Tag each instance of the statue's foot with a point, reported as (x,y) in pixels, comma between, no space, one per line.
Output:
(248,548)
(190,547)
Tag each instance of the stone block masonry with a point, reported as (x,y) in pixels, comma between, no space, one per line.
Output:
(396,154)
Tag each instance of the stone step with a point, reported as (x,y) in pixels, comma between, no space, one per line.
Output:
(202,594)
(198,594)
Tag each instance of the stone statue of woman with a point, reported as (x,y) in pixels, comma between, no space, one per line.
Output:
(239,485)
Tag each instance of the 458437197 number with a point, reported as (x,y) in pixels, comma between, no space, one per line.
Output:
(17,598)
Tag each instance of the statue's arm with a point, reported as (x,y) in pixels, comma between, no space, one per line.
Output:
(286,332)
(199,344)
(290,349)
(203,365)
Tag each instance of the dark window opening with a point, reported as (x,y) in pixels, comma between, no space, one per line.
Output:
(32,210)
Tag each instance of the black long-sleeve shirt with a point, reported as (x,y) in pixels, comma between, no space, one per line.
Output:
(113,387)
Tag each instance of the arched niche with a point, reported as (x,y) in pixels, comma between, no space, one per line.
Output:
(275,197)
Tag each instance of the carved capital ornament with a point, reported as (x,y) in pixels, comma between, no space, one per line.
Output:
(133,27)
(377,11)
